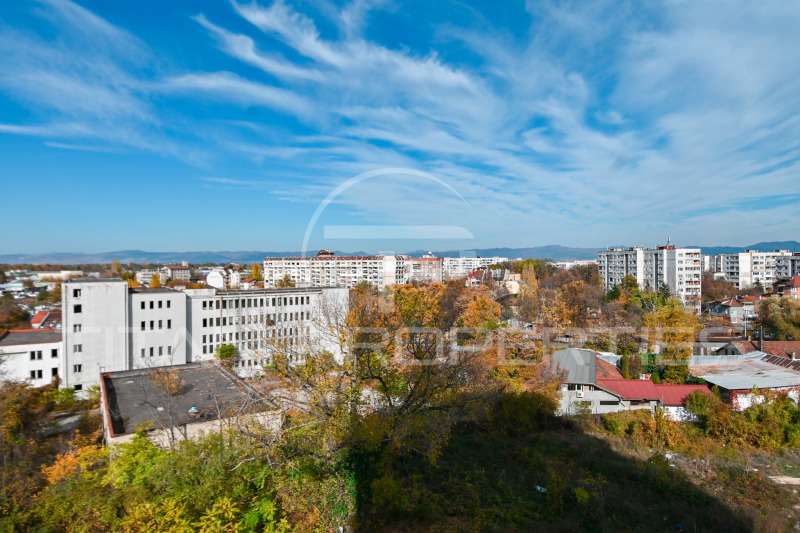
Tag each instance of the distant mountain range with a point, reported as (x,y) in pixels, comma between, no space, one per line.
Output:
(555,252)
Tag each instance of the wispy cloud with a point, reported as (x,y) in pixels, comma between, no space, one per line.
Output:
(582,121)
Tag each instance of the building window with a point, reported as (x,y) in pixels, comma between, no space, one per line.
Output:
(78,387)
(76,293)
(160,350)
(160,324)
(77,368)
(151,351)
(36,374)
(152,324)
(143,325)
(160,303)
(169,324)
(152,306)
(37,354)
(54,372)
(204,348)
(205,305)
(76,328)
(168,303)
(169,350)
(142,305)
(77,348)
(143,352)
(76,308)
(54,352)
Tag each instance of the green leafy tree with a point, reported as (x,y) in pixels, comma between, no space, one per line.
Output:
(225,351)
(781,317)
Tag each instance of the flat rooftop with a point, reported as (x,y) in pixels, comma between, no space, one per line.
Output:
(173,396)
(17,337)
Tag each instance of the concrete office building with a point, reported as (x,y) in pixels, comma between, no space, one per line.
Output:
(109,327)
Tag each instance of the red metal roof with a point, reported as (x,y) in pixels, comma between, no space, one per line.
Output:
(644,389)
(631,389)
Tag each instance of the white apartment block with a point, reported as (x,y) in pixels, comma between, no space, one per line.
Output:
(751,267)
(177,272)
(328,270)
(145,277)
(109,327)
(787,266)
(30,355)
(679,268)
(459,267)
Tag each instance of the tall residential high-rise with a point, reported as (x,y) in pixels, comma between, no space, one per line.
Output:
(751,267)
(679,268)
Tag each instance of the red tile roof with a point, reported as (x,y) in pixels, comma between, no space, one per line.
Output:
(781,348)
(39,317)
(676,394)
(605,370)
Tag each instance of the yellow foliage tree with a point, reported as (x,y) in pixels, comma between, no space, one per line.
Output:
(257,272)
(155,282)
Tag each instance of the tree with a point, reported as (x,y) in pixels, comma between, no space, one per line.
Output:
(285,283)
(625,367)
(155,282)
(399,388)
(780,317)
(654,377)
(12,316)
(529,293)
(257,272)
(673,327)
(225,351)
(714,289)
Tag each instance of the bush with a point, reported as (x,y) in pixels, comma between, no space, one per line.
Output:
(519,413)
(701,404)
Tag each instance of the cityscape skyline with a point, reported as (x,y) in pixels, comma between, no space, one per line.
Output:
(167,127)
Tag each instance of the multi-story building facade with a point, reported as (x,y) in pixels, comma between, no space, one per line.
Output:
(787,266)
(109,327)
(679,268)
(751,267)
(177,272)
(328,270)
(459,267)
(30,355)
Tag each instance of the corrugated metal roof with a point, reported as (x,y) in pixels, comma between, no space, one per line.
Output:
(579,364)
(745,375)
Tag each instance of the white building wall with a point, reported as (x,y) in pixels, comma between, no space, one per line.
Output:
(459,267)
(190,325)
(95,314)
(35,364)
(157,328)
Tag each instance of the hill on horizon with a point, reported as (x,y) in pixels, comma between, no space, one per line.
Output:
(555,252)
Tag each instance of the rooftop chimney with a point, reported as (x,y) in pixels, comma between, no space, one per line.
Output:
(761,339)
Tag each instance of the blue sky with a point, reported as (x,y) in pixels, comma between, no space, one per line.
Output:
(226,125)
